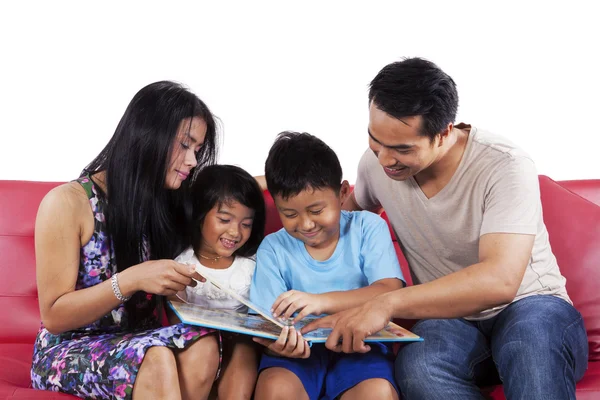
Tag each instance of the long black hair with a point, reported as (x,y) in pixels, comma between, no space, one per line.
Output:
(218,184)
(141,214)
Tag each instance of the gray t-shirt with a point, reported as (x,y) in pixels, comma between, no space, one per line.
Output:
(494,190)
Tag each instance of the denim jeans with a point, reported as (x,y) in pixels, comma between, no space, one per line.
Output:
(537,347)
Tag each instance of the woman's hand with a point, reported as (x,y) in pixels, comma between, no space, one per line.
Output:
(293,300)
(289,344)
(162,277)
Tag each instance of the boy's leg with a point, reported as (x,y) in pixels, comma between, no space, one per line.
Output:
(292,378)
(540,348)
(280,383)
(362,376)
(447,364)
(371,389)
(240,368)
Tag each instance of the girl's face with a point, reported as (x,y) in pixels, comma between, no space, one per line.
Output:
(226,228)
(189,140)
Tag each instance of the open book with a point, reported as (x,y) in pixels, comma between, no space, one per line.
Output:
(263,324)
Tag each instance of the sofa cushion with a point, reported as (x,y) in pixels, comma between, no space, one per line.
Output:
(574,228)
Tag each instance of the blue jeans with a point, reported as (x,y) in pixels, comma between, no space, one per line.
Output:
(537,347)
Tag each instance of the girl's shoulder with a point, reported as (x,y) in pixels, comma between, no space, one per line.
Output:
(245,262)
(187,256)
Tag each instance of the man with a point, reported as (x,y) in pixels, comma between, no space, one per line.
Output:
(465,206)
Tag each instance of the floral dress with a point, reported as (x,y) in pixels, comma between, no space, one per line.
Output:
(101,360)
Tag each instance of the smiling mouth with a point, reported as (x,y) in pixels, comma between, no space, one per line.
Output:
(228,244)
(394,171)
(310,234)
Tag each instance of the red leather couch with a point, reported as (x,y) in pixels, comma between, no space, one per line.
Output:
(571,212)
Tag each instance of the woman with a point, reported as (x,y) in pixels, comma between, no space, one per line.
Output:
(104,249)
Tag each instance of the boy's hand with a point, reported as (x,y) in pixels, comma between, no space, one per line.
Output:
(293,300)
(289,344)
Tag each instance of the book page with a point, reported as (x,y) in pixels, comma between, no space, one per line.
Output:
(245,301)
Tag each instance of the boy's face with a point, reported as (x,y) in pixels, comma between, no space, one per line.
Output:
(313,216)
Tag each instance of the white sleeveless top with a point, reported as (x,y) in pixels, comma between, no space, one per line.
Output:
(237,277)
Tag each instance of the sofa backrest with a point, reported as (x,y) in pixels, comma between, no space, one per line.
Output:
(573,225)
(589,189)
(19,311)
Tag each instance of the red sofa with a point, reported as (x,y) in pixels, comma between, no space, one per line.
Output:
(571,212)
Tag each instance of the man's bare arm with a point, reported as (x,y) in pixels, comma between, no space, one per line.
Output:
(493,281)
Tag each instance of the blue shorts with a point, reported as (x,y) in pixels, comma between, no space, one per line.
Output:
(326,374)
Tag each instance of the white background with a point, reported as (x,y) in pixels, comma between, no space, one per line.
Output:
(527,70)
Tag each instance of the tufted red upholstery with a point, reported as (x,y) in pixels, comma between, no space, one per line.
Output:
(573,224)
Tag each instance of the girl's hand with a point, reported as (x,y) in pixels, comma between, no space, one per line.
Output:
(293,300)
(289,344)
(162,277)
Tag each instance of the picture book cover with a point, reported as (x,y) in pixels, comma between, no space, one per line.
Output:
(263,324)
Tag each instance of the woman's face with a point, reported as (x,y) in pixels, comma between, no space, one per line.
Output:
(189,140)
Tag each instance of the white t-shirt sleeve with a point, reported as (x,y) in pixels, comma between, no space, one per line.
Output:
(363,189)
(512,200)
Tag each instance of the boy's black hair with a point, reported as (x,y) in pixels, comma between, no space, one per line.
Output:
(299,161)
(218,184)
(415,87)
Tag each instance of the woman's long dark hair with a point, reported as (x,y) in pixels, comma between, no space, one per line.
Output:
(139,209)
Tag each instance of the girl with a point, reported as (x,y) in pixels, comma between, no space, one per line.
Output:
(227,226)
(104,249)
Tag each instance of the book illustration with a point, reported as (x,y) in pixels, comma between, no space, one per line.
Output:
(257,325)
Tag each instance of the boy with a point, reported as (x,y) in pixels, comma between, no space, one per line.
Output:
(324,260)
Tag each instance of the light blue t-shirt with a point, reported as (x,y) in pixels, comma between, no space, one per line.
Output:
(364,254)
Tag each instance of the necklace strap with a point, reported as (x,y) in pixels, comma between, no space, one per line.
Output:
(209,258)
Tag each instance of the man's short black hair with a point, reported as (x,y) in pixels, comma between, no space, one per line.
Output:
(413,87)
(300,161)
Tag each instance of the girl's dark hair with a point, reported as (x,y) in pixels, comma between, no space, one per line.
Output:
(219,184)
(140,212)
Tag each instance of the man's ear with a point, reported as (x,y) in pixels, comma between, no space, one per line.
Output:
(344,191)
(445,133)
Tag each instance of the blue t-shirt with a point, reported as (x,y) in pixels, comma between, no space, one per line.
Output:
(364,254)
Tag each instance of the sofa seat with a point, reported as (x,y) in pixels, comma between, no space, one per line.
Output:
(15,381)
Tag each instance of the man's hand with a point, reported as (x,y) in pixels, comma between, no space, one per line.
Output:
(351,327)
(289,344)
(293,300)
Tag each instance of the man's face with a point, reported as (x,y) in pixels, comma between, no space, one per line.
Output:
(401,150)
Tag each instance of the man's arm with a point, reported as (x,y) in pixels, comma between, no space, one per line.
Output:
(352,205)
(493,281)
(331,302)
(262,182)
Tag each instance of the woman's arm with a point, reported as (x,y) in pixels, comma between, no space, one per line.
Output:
(63,225)
(60,229)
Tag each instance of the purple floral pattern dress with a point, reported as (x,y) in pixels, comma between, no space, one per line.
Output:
(101,360)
